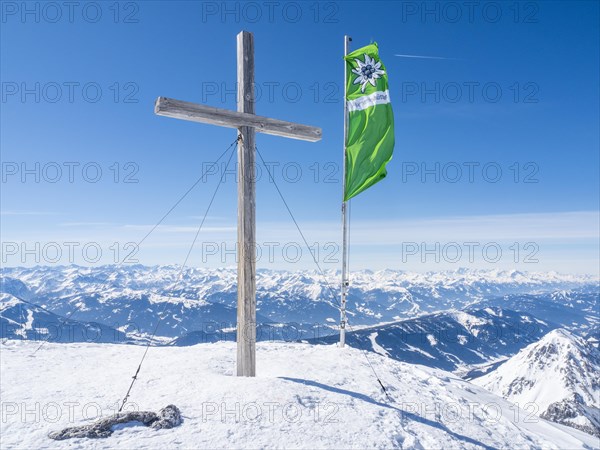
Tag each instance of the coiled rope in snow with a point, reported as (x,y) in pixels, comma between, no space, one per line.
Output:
(167,417)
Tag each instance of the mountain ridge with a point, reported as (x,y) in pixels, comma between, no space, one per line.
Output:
(557,376)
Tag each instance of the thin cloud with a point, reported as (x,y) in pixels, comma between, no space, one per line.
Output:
(85,224)
(27,213)
(557,227)
(179,229)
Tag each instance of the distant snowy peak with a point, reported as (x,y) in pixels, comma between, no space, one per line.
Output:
(559,347)
(14,287)
(549,370)
(557,375)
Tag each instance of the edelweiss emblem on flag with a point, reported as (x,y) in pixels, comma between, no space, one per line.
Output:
(368,72)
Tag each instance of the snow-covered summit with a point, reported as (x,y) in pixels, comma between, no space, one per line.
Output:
(304,396)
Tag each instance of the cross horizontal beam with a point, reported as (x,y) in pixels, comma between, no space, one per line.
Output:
(195,112)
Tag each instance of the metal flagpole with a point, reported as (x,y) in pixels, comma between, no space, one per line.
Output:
(344,287)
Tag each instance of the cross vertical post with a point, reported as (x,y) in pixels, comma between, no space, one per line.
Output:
(246,238)
(248,124)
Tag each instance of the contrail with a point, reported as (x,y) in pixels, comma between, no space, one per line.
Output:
(424,57)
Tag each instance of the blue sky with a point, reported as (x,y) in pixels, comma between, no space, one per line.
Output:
(496,145)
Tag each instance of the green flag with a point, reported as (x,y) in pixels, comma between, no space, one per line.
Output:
(370,138)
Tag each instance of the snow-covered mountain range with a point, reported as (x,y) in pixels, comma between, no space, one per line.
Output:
(557,378)
(449,320)
(131,298)
(493,327)
(452,340)
(20,319)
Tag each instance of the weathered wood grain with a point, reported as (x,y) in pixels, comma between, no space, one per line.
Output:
(246,279)
(195,112)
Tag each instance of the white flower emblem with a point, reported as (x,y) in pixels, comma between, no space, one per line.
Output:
(368,72)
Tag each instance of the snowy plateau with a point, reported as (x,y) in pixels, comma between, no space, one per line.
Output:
(468,358)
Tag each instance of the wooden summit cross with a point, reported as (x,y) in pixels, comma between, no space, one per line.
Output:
(247,124)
